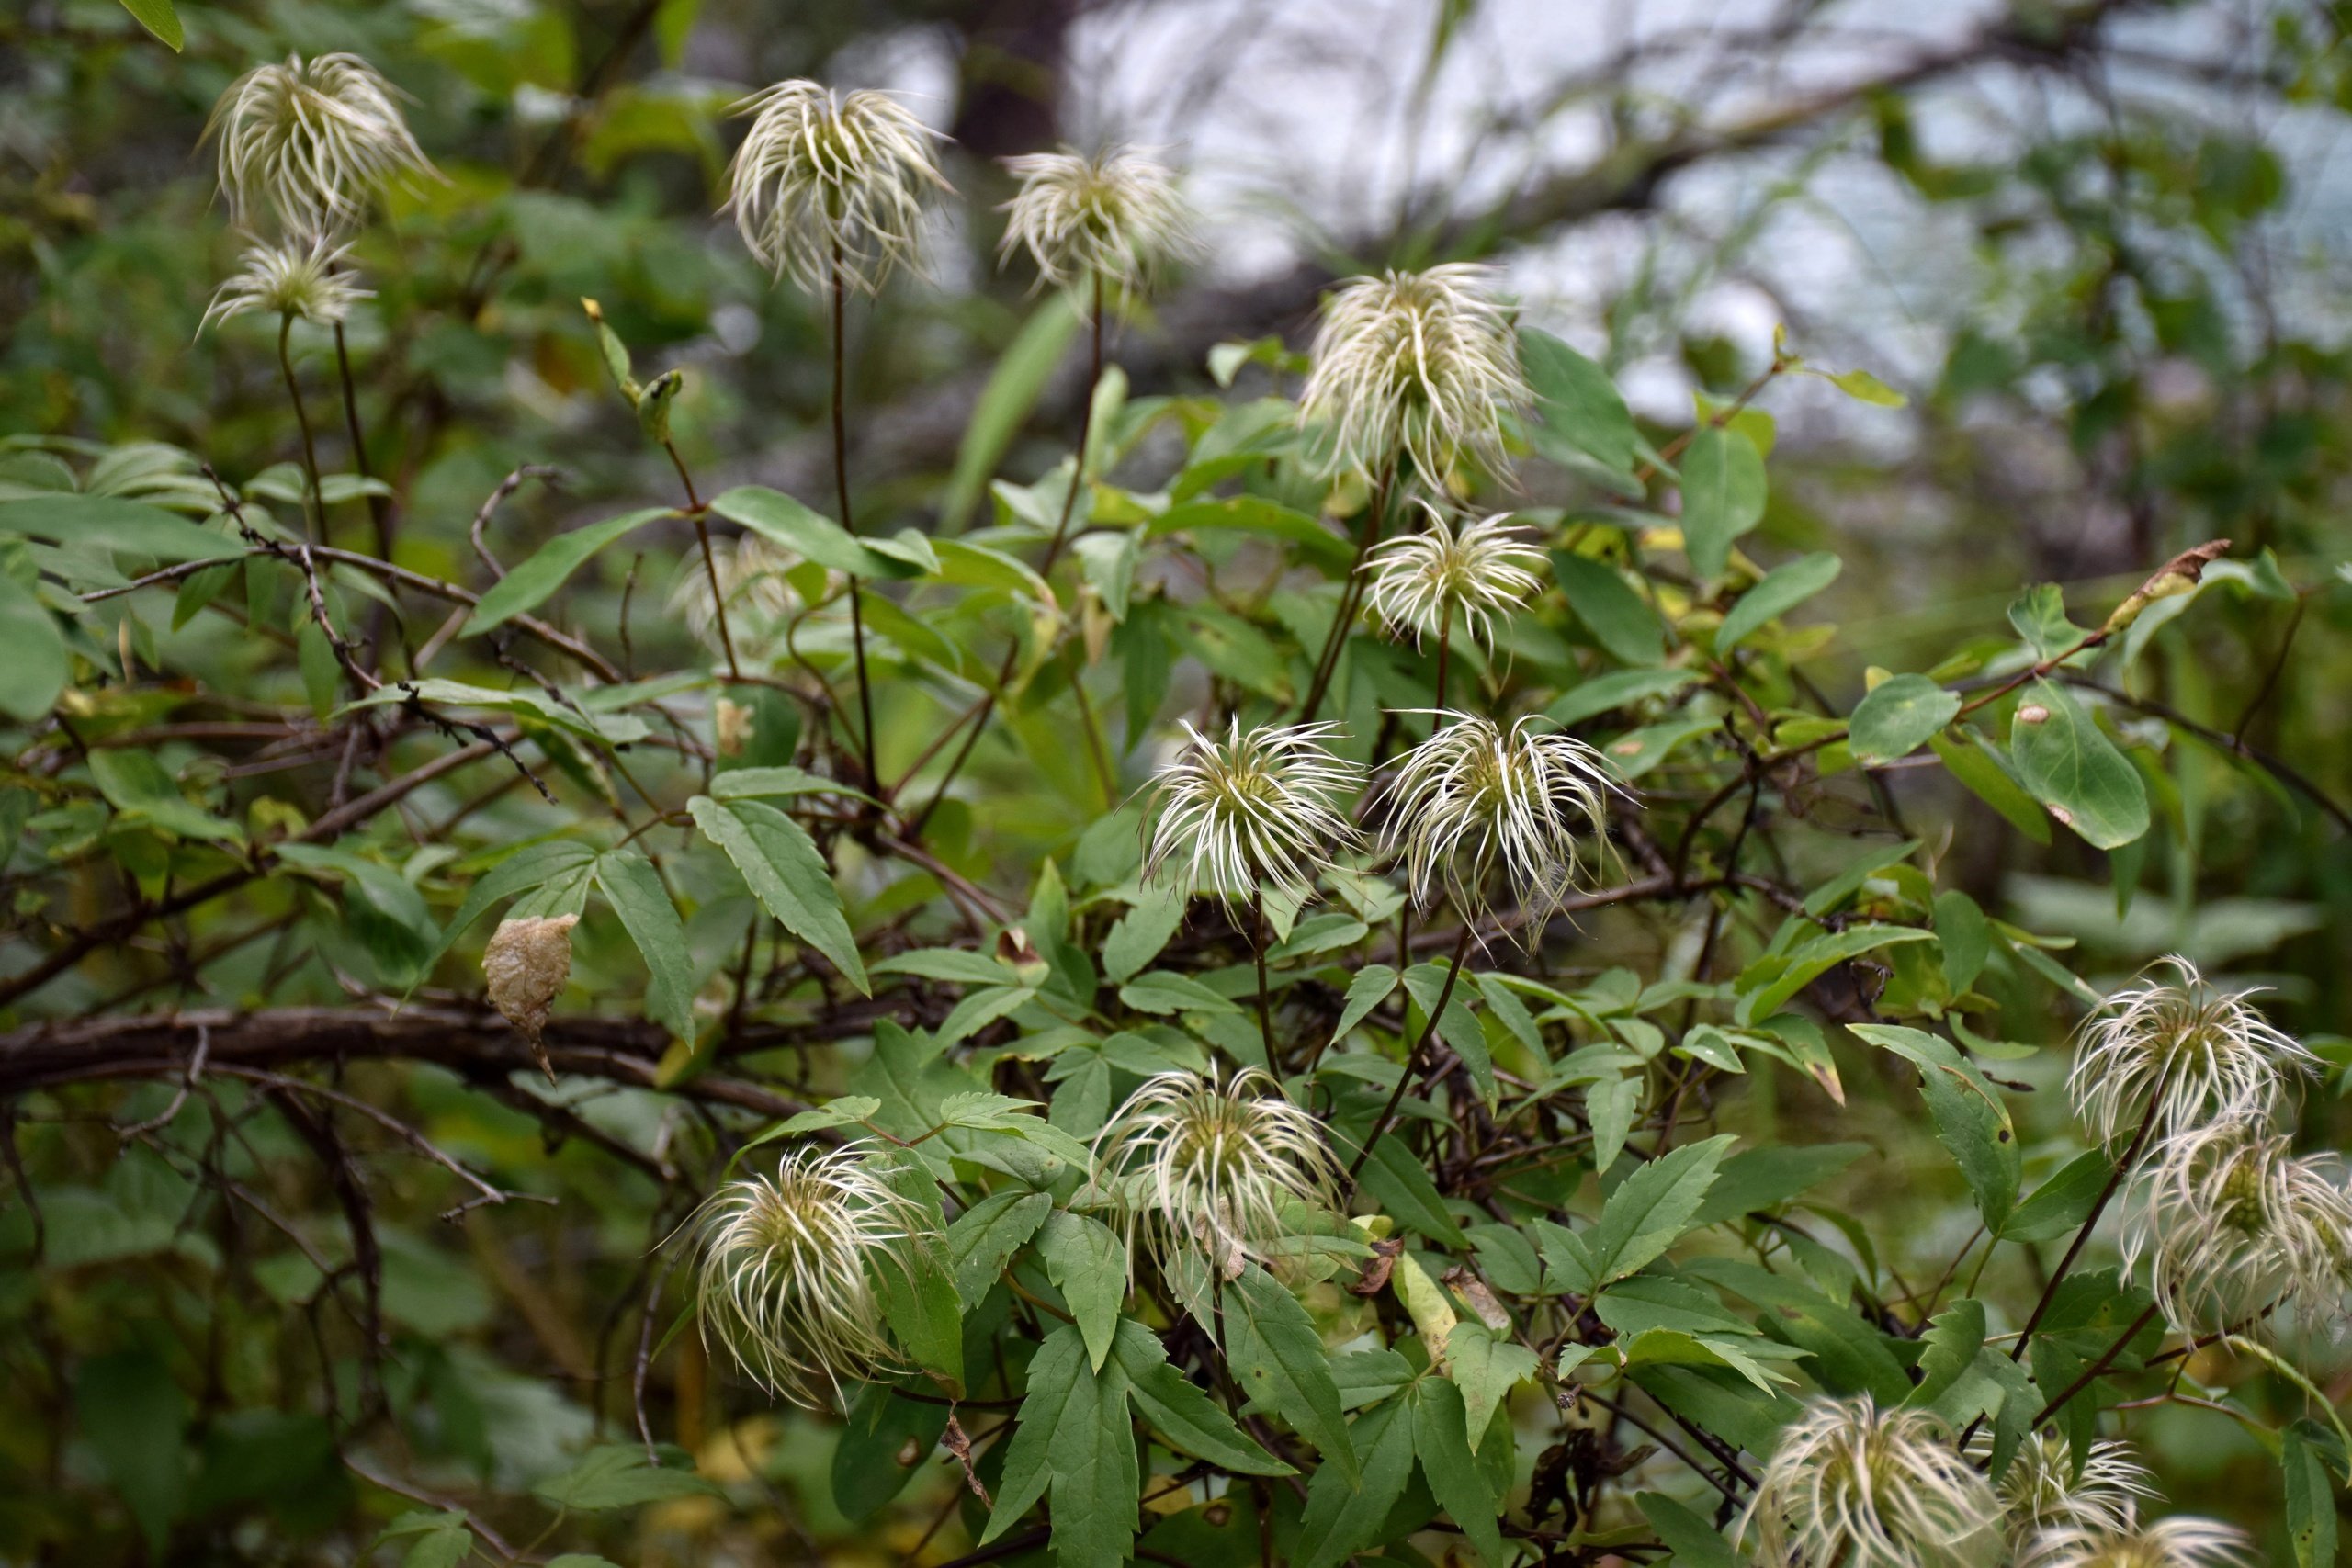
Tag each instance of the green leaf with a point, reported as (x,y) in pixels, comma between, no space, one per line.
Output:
(1756,1179)
(1722,496)
(1971,1120)
(527,586)
(1578,403)
(1618,617)
(1186,1419)
(764,783)
(1142,931)
(883,1443)
(1967,758)
(1394,1176)
(1695,1542)
(2310,1497)
(1948,1350)
(920,1300)
(634,889)
(1443,1442)
(1162,992)
(1346,1506)
(2040,615)
(34,648)
(135,784)
(1615,688)
(1781,589)
(618,730)
(2066,762)
(1652,1208)
(780,520)
(1013,388)
(1486,1367)
(1901,714)
(985,1235)
(1370,986)
(1254,514)
(1850,1356)
(1964,936)
(1771,981)
(617,1476)
(1610,1104)
(1278,1359)
(380,908)
(1865,387)
(1457,1026)
(440,1548)
(131,528)
(524,871)
(158,17)
(784,870)
(1089,1265)
(131,1414)
(1073,1440)
(2063,1202)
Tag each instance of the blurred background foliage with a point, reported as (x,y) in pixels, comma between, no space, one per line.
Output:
(2099,245)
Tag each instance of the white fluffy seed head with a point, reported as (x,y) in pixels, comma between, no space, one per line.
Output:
(1427,582)
(751,576)
(313,140)
(1258,811)
(293,278)
(2168,1543)
(1211,1175)
(2199,1053)
(2042,1489)
(2224,1221)
(1853,1485)
(788,1278)
(829,184)
(1116,216)
(1475,794)
(1416,364)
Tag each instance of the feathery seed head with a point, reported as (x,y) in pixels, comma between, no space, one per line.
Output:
(789,1265)
(1474,794)
(1253,812)
(1116,216)
(2042,1489)
(1209,1173)
(1421,364)
(1853,1485)
(2168,1543)
(297,278)
(751,576)
(2201,1053)
(827,183)
(2225,1220)
(312,140)
(1424,582)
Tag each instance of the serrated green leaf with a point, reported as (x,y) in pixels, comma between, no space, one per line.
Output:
(1186,1419)
(1089,1265)
(1443,1441)
(985,1235)
(1652,1208)
(1279,1360)
(634,889)
(1346,1506)
(785,871)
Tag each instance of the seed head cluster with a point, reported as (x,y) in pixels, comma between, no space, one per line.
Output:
(833,185)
